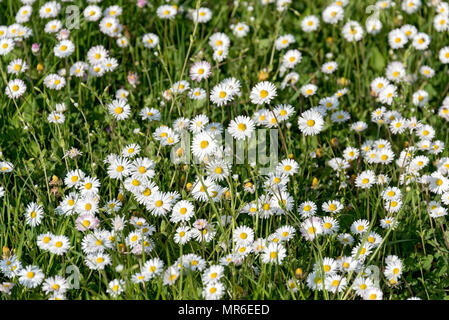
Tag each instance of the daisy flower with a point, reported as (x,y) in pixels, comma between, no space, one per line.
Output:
(373,293)
(373,26)
(55,285)
(15,88)
(332,206)
(182,235)
(240,29)
(34,214)
(64,49)
(335,283)
(219,41)
(97,261)
(352,31)
(171,275)
(221,94)
(291,58)
(59,245)
(420,41)
(54,81)
(97,54)
(92,13)
(311,228)
(397,39)
(6,46)
(365,179)
(360,226)
(203,145)
(310,23)
(213,291)
(308,90)
(159,204)
(17,66)
(332,14)
(310,122)
(31,276)
(243,235)
(182,211)
(274,253)
(200,70)
(49,9)
(307,209)
(329,67)
(119,109)
(241,127)
(263,92)
(443,55)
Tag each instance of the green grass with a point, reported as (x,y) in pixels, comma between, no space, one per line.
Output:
(36,147)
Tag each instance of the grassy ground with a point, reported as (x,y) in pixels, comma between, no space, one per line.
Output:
(36,148)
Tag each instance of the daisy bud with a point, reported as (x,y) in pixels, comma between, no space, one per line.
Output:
(314,182)
(119,268)
(35,48)
(299,273)
(6,252)
(263,75)
(141,3)
(334,142)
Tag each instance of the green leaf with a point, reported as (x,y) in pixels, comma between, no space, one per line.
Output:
(264,44)
(427,262)
(430,90)
(377,61)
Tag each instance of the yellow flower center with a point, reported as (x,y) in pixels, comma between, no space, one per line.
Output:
(241,126)
(263,93)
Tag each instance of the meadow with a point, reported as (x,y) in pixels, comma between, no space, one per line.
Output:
(132,135)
